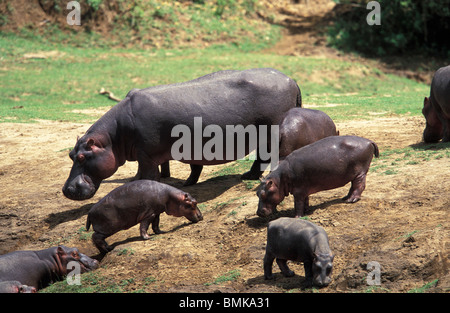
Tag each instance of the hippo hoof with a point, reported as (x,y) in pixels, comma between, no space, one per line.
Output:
(269,277)
(190,181)
(288,273)
(250,176)
(349,199)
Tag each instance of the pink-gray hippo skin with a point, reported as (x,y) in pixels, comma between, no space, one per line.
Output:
(15,287)
(326,164)
(436,108)
(300,127)
(300,241)
(140,201)
(38,269)
(139,127)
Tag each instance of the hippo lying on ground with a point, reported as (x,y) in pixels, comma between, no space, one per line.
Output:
(300,127)
(40,268)
(300,241)
(326,164)
(436,108)
(15,286)
(140,126)
(140,201)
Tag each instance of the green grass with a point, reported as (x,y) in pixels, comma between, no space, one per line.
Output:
(229,276)
(55,87)
(392,159)
(425,287)
(90,282)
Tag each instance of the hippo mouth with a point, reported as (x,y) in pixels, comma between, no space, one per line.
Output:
(196,218)
(87,264)
(265,210)
(80,188)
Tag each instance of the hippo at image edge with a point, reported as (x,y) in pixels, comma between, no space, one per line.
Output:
(140,201)
(139,127)
(326,164)
(436,108)
(300,127)
(40,268)
(15,287)
(300,241)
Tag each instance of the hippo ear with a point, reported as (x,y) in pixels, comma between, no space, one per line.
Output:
(60,251)
(269,184)
(90,142)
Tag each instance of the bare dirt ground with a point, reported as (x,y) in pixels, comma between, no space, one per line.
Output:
(402,221)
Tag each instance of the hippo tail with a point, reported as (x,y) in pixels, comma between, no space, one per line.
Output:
(299,97)
(88,223)
(376,152)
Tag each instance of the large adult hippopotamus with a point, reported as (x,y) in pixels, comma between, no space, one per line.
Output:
(140,126)
(40,268)
(436,108)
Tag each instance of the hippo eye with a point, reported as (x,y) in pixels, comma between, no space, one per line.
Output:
(75,254)
(81,158)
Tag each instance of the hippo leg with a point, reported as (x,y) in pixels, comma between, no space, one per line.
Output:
(196,170)
(268,261)
(148,169)
(165,169)
(155,225)
(358,186)
(144,227)
(446,131)
(100,243)
(301,203)
(308,273)
(255,171)
(282,264)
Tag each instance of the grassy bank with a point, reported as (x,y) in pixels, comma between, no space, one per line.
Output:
(57,82)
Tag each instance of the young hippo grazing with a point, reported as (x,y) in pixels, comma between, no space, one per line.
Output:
(301,241)
(136,202)
(436,108)
(326,164)
(300,127)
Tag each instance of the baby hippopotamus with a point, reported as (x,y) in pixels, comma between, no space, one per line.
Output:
(300,241)
(140,201)
(326,164)
(300,127)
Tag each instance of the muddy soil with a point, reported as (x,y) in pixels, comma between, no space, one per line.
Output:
(402,221)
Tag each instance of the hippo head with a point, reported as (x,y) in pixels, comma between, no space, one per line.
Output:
(433,130)
(93,161)
(322,268)
(26,289)
(270,196)
(183,204)
(64,255)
